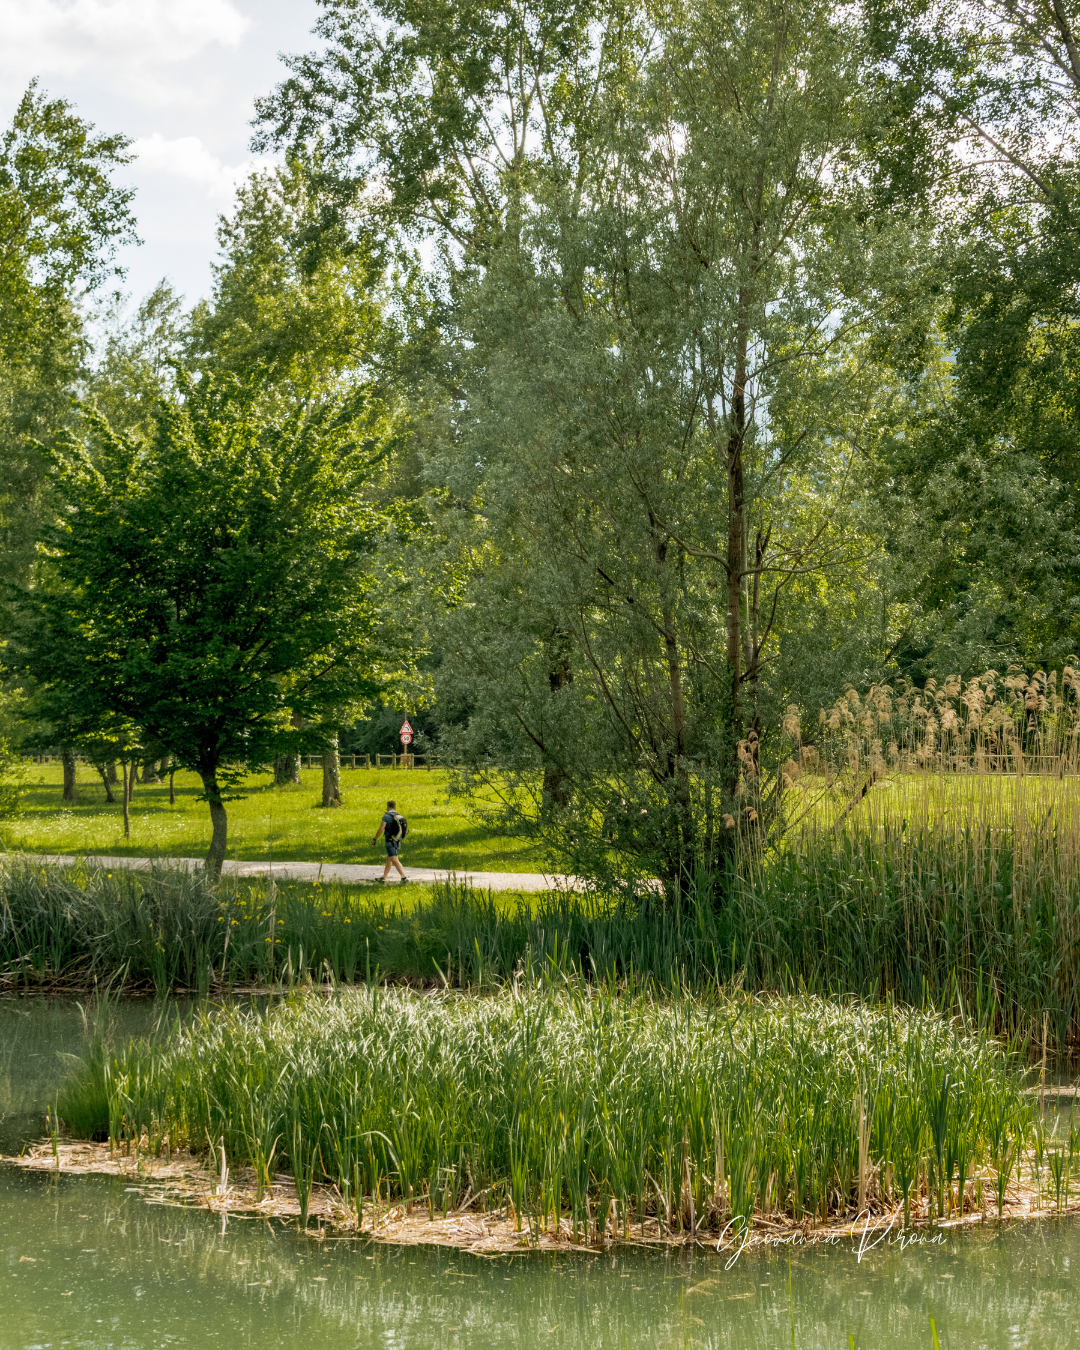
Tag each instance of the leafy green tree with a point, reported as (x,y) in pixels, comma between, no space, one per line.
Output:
(289,297)
(979,496)
(215,580)
(666,273)
(61,219)
(137,357)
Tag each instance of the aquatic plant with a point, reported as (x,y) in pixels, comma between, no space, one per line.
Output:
(943,907)
(589,1102)
(83,1101)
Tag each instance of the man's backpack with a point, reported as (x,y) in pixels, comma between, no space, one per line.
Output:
(398,830)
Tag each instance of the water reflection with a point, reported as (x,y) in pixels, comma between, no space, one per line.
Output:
(87,1262)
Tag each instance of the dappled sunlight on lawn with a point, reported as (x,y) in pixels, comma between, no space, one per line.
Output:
(267,823)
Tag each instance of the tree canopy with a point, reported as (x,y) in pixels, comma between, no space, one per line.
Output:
(215,581)
(681,363)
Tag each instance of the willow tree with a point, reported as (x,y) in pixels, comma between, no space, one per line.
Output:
(667,279)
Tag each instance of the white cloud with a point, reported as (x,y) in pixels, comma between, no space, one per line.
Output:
(130,37)
(187,159)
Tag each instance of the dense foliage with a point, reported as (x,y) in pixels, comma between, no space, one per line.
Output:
(722,354)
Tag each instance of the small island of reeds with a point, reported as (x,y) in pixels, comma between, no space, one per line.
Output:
(586,1112)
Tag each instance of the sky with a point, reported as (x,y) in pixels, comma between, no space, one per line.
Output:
(180,78)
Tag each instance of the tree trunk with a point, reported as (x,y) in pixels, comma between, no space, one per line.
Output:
(219,821)
(126,785)
(736,552)
(286,770)
(104,772)
(556,786)
(67,758)
(331,776)
(677,769)
(111,776)
(679,850)
(150,772)
(172,777)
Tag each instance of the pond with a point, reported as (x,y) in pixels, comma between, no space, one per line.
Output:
(88,1262)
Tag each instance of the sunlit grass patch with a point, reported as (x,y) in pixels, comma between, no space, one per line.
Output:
(268,824)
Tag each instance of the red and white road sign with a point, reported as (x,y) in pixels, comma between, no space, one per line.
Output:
(406,730)
(405,738)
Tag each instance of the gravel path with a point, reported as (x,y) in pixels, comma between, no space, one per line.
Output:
(347,872)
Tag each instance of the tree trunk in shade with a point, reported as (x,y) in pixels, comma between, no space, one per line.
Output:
(67,758)
(286,770)
(103,770)
(219,822)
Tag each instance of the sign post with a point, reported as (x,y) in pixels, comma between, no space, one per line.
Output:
(406,739)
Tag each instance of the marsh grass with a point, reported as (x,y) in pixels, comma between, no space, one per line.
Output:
(933,910)
(83,1102)
(960,889)
(589,1105)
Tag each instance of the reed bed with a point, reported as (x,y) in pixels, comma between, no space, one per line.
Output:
(1017,723)
(931,849)
(942,909)
(612,1110)
(934,912)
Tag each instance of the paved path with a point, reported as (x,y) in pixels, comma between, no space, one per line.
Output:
(347,872)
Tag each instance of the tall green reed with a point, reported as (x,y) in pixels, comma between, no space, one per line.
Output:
(588,1102)
(980,919)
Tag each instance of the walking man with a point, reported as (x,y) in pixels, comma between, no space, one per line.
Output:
(393,827)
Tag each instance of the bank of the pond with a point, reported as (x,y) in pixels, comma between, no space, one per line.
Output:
(591,1113)
(986,925)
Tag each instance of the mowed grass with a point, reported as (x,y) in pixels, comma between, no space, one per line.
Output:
(267,824)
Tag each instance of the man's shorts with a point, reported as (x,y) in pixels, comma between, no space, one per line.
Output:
(393,848)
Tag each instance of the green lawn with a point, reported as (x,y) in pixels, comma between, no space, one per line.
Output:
(269,823)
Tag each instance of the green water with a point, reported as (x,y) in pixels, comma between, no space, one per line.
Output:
(87,1262)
